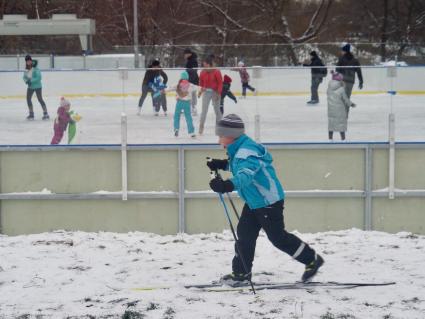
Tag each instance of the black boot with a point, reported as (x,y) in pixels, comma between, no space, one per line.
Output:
(312,268)
(236,277)
(30,117)
(45,116)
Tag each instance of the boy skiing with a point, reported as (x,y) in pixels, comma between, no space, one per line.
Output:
(255,180)
(227,82)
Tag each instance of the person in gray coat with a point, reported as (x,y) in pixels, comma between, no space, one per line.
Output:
(338,106)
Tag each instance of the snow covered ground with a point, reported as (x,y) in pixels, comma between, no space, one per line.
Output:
(283,119)
(91,275)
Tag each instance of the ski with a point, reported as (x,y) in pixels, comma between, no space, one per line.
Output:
(218,286)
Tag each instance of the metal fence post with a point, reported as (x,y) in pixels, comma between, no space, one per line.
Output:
(181,172)
(368,225)
(124,155)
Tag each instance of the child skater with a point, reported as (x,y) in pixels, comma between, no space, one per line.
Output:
(244,78)
(61,121)
(227,82)
(184,91)
(158,94)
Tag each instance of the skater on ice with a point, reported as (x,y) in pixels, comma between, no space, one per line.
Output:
(244,75)
(159,98)
(227,82)
(154,69)
(61,121)
(349,66)
(32,78)
(318,72)
(184,90)
(255,180)
(191,69)
(338,106)
(211,83)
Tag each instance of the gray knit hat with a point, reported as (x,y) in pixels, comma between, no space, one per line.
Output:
(231,125)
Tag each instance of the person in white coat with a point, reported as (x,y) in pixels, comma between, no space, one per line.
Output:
(338,106)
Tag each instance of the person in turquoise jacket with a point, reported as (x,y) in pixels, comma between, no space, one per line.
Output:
(255,180)
(32,77)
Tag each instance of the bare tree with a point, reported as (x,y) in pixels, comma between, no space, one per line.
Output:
(267,19)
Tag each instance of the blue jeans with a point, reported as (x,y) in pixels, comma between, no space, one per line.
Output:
(185,106)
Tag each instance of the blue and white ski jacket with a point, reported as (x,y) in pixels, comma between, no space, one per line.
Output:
(254,177)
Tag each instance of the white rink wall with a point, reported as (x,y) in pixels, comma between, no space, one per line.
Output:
(272,81)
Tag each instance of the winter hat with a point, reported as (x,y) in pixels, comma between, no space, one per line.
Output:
(313,53)
(28,57)
(240,63)
(231,125)
(209,59)
(337,76)
(227,79)
(155,62)
(184,75)
(187,51)
(64,102)
(346,47)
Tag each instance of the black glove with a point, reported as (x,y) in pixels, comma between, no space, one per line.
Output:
(220,186)
(360,85)
(215,164)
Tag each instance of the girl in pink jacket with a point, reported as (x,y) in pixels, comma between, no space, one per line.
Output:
(61,121)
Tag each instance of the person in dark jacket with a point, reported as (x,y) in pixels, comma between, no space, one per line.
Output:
(348,60)
(227,82)
(255,179)
(154,70)
(318,72)
(191,69)
(32,78)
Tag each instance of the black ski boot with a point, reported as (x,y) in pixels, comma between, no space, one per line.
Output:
(312,268)
(30,117)
(236,279)
(45,116)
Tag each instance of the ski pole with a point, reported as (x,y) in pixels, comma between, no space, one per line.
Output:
(233,206)
(238,250)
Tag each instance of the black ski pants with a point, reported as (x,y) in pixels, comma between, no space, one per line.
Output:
(270,219)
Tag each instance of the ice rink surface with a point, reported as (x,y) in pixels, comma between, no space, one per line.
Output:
(283,119)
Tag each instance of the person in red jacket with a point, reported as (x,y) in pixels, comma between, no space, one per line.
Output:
(61,121)
(211,83)
(227,82)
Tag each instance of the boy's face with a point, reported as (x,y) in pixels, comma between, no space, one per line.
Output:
(67,107)
(28,62)
(225,140)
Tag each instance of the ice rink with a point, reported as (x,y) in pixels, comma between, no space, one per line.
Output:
(283,119)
